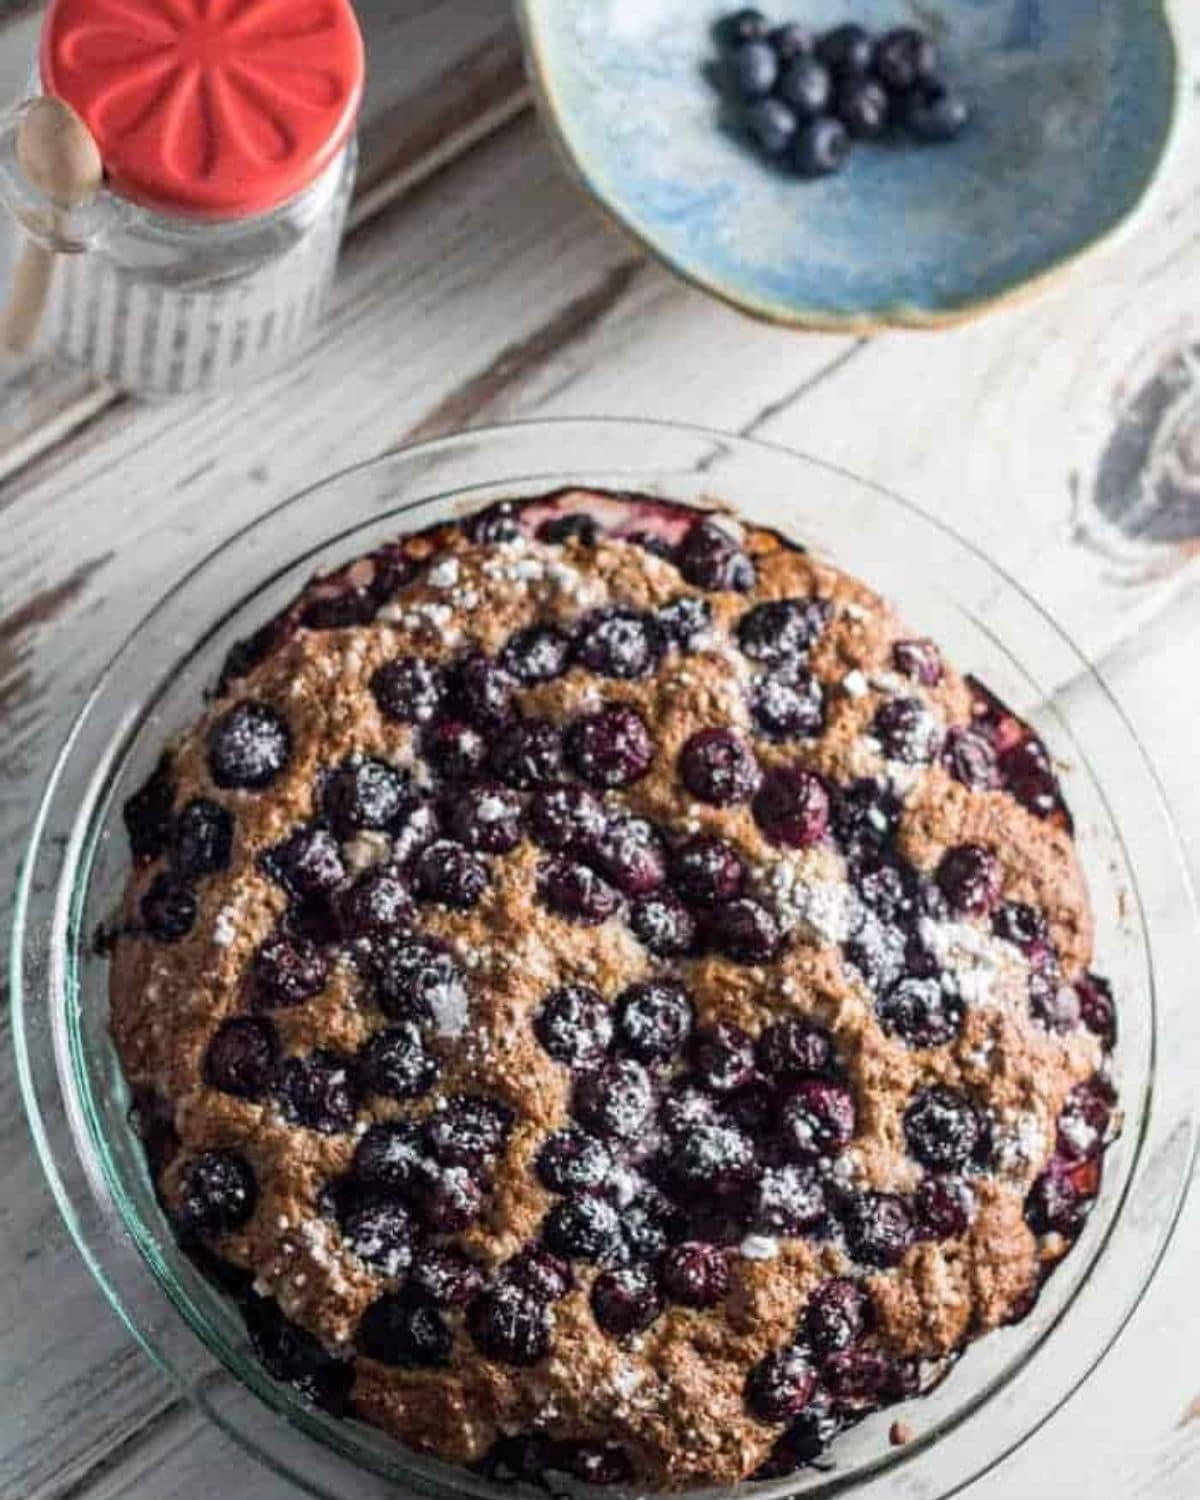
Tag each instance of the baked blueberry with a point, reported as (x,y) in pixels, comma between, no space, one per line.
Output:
(788,705)
(921,1012)
(816,1119)
(540,1271)
(217,1192)
(571,1161)
(147,813)
(713,1160)
(449,1199)
(418,979)
(287,971)
(707,871)
(696,1274)
(509,1323)
(389,1156)
(364,794)
(394,1063)
(567,819)
(317,1090)
(744,931)
(780,1386)
(248,746)
(449,875)
(710,559)
(168,909)
(793,1049)
(626,1300)
(918,659)
(308,863)
(495,525)
(405,1329)
(1026,771)
(468,1130)
(723,1057)
(942,1208)
(575,1026)
(654,1020)
(576,892)
(836,1316)
(718,767)
(629,853)
(616,1100)
(480,692)
(559,530)
(686,622)
(1097,1008)
(619,642)
(664,926)
(585,1228)
(970,879)
(539,653)
(380,1232)
(378,905)
(409,690)
(242,1056)
(878,1228)
(445,1275)
(906,731)
(788,1200)
(942,1129)
(792,807)
(456,751)
(611,747)
(969,756)
(292,1355)
(201,839)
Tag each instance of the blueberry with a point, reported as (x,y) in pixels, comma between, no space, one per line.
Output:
(450,1199)
(480,692)
(792,40)
(685,621)
(620,643)
(417,979)
(805,88)
(242,1056)
(904,57)
(567,819)
(389,1156)
(1084,1121)
(866,815)
(629,854)
(147,814)
(572,1161)
(707,871)
(817,1119)
(741,26)
(558,530)
(861,105)
(906,731)
(1055,1204)
(744,931)
(1026,772)
(1097,1008)
(394,1063)
(821,147)
(664,926)
(788,705)
(654,1020)
(468,1130)
(417,827)
(710,559)
(753,69)
(538,1270)
(969,756)
(454,749)
(611,747)
(686,1106)
(836,1316)
(509,1323)
(287,971)
(723,1057)
(201,840)
(217,1192)
(374,907)
(1019,924)
(921,1012)
(780,1386)
(625,1301)
(575,1026)
(788,1200)
(793,1049)
(409,690)
(942,1129)
(528,754)
(449,875)
(585,1228)
(616,1102)
(719,767)
(846,49)
(308,863)
(445,1275)
(859,1379)
(792,807)
(713,1159)
(970,878)
(168,909)
(379,1231)
(878,1228)
(772,124)
(539,653)
(364,794)
(649,1224)
(696,1274)
(404,1329)
(317,1091)
(933,112)
(248,747)
(493,525)
(485,817)
(942,1208)
(576,892)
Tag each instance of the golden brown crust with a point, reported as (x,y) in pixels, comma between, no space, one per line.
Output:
(673,1395)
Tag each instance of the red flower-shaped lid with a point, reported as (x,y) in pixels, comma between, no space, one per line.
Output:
(211,109)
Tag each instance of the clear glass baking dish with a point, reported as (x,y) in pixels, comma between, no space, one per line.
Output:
(1003,1388)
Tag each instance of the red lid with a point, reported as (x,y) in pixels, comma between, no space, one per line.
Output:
(212,109)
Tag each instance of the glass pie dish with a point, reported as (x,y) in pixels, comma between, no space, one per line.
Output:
(77,865)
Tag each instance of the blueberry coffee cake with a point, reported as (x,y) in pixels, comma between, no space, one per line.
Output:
(608,1000)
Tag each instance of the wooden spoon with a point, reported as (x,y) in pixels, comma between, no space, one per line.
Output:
(59,158)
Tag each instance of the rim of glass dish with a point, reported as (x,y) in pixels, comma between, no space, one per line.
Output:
(104,1239)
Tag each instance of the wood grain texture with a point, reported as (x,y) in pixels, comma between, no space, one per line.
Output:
(493,291)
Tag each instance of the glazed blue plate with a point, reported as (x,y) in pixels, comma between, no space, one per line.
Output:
(1072,107)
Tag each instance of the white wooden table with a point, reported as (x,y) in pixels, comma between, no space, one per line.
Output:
(1063,437)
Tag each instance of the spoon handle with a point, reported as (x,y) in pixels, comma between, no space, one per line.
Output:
(27,297)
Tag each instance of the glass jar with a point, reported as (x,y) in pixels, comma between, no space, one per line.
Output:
(229,159)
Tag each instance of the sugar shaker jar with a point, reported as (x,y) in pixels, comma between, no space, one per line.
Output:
(226,132)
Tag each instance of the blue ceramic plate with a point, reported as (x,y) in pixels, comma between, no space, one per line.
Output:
(1073,102)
